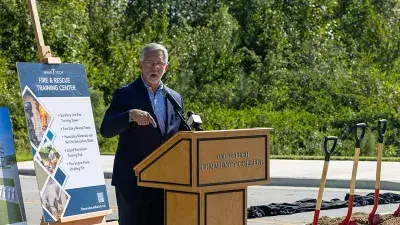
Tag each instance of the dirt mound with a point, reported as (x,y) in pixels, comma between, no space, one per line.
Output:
(360,218)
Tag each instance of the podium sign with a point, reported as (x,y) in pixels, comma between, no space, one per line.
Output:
(232,160)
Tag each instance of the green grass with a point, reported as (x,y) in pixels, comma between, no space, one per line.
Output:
(24,156)
(7,182)
(9,213)
(108,153)
(344,158)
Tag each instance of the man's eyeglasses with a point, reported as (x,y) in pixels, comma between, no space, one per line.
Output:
(150,63)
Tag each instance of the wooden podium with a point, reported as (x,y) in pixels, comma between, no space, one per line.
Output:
(205,174)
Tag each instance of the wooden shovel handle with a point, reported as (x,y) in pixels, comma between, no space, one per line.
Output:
(322,185)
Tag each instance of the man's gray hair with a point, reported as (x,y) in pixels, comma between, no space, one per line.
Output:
(154,47)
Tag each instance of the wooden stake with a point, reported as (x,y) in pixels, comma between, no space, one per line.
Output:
(44,51)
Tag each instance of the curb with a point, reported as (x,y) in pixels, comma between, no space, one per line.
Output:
(293,182)
(27,172)
(30,172)
(307,182)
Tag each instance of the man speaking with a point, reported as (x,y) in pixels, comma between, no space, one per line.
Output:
(143,118)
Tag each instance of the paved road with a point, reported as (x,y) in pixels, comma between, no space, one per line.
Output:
(257,195)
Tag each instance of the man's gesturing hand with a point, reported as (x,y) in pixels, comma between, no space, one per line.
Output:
(141,117)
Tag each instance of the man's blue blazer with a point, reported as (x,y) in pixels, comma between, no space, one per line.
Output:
(135,142)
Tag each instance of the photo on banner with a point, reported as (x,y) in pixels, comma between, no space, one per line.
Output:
(63,139)
(12,209)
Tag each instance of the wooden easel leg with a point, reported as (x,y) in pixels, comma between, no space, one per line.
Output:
(44,51)
(88,221)
(42,222)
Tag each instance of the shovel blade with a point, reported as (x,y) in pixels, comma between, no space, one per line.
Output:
(397,212)
(374,220)
(352,222)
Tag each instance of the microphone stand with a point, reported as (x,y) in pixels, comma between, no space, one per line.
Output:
(176,107)
(177,111)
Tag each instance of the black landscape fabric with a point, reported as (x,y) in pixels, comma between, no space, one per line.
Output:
(308,204)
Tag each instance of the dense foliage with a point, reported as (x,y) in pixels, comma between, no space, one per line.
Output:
(307,68)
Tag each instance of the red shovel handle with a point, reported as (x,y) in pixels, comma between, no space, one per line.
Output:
(328,153)
(362,126)
(381,129)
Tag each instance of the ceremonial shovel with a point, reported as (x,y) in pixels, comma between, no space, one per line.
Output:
(346,220)
(397,212)
(374,219)
(323,178)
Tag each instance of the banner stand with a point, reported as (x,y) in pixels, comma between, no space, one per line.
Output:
(87,219)
(46,57)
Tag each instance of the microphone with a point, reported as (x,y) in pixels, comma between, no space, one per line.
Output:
(177,108)
(172,100)
(194,121)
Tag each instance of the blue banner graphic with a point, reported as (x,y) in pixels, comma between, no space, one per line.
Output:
(12,209)
(63,139)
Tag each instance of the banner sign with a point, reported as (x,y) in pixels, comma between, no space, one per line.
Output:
(12,209)
(63,139)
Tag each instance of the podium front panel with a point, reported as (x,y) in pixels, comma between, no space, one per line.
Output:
(232,160)
(225,208)
(182,208)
